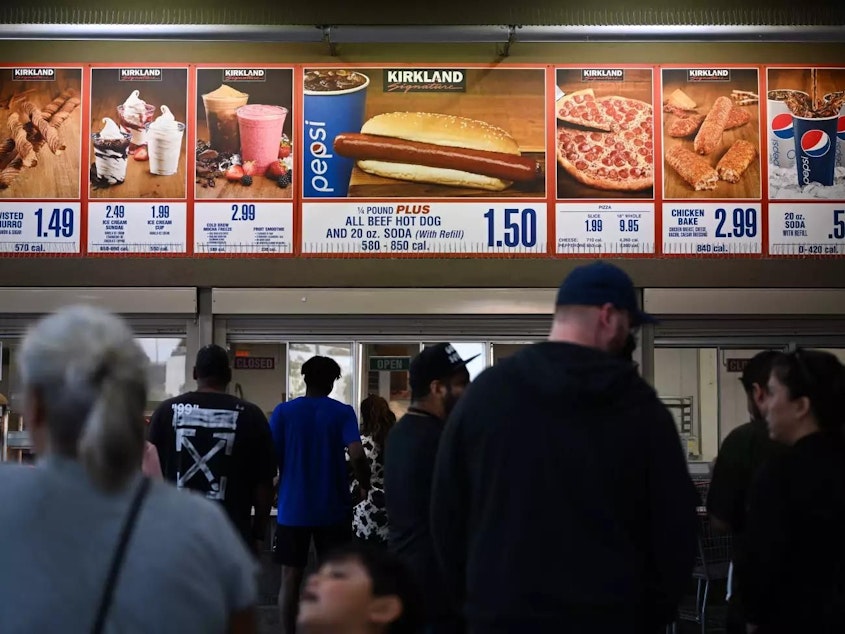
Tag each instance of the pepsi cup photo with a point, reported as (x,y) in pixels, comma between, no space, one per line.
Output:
(815,149)
(781,137)
(840,129)
(334,103)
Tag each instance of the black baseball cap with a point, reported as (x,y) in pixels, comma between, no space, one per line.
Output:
(602,283)
(434,363)
(213,362)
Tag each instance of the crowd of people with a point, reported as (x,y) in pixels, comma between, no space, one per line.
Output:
(551,494)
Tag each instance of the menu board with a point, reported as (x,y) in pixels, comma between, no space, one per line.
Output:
(604,145)
(806,134)
(137,181)
(244,161)
(40,157)
(425,160)
(711,161)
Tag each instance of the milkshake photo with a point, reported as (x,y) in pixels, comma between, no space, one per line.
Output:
(806,127)
(244,132)
(148,107)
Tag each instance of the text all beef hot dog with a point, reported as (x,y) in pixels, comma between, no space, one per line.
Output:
(438,148)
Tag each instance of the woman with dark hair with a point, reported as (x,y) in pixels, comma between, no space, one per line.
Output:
(369,518)
(795,580)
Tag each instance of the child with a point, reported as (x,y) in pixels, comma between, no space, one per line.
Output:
(360,589)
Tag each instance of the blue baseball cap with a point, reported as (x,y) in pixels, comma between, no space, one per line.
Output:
(602,283)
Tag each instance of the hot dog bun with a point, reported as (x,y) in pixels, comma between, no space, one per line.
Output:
(436,175)
(443,130)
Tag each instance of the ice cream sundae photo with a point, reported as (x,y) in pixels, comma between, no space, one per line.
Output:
(111,147)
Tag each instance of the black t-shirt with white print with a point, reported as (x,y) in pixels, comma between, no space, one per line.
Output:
(218,445)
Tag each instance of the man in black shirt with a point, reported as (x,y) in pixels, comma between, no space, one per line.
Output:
(741,455)
(438,377)
(561,499)
(219,445)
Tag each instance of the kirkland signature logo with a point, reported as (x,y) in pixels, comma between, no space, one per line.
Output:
(34,74)
(708,74)
(244,74)
(425,80)
(140,74)
(602,74)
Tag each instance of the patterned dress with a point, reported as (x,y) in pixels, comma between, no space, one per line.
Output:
(369,518)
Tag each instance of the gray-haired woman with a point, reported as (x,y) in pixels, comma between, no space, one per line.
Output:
(86,543)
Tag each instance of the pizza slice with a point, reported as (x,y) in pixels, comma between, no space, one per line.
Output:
(582,108)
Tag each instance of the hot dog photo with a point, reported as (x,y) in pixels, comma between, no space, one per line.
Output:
(711,133)
(433,132)
(604,140)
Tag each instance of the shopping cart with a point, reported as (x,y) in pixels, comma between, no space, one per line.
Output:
(711,565)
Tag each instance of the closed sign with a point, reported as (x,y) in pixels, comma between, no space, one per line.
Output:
(255,363)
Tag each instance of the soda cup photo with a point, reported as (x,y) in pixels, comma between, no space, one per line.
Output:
(780,128)
(815,149)
(840,130)
(334,102)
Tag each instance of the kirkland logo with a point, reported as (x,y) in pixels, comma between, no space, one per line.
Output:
(140,74)
(34,74)
(602,74)
(709,74)
(244,74)
(425,80)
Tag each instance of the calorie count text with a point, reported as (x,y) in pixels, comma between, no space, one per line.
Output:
(412,225)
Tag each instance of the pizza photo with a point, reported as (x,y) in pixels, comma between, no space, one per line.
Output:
(604,139)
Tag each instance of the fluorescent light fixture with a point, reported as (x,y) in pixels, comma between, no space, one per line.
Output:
(499,34)
(169,32)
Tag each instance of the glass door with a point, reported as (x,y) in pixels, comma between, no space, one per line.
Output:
(384,371)
(299,353)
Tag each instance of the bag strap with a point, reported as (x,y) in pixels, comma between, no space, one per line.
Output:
(119,554)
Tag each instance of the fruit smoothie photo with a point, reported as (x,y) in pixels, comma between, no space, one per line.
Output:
(260,127)
(244,147)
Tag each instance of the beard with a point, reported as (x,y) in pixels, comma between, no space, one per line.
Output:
(449,402)
(618,341)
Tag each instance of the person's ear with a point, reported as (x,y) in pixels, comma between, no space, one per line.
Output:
(195,374)
(35,417)
(802,406)
(385,610)
(435,387)
(34,412)
(606,314)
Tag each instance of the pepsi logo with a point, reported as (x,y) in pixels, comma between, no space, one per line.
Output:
(782,125)
(318,149)
(815,143)
(840,129)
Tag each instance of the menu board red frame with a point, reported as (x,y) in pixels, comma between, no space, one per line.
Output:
(757,212)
